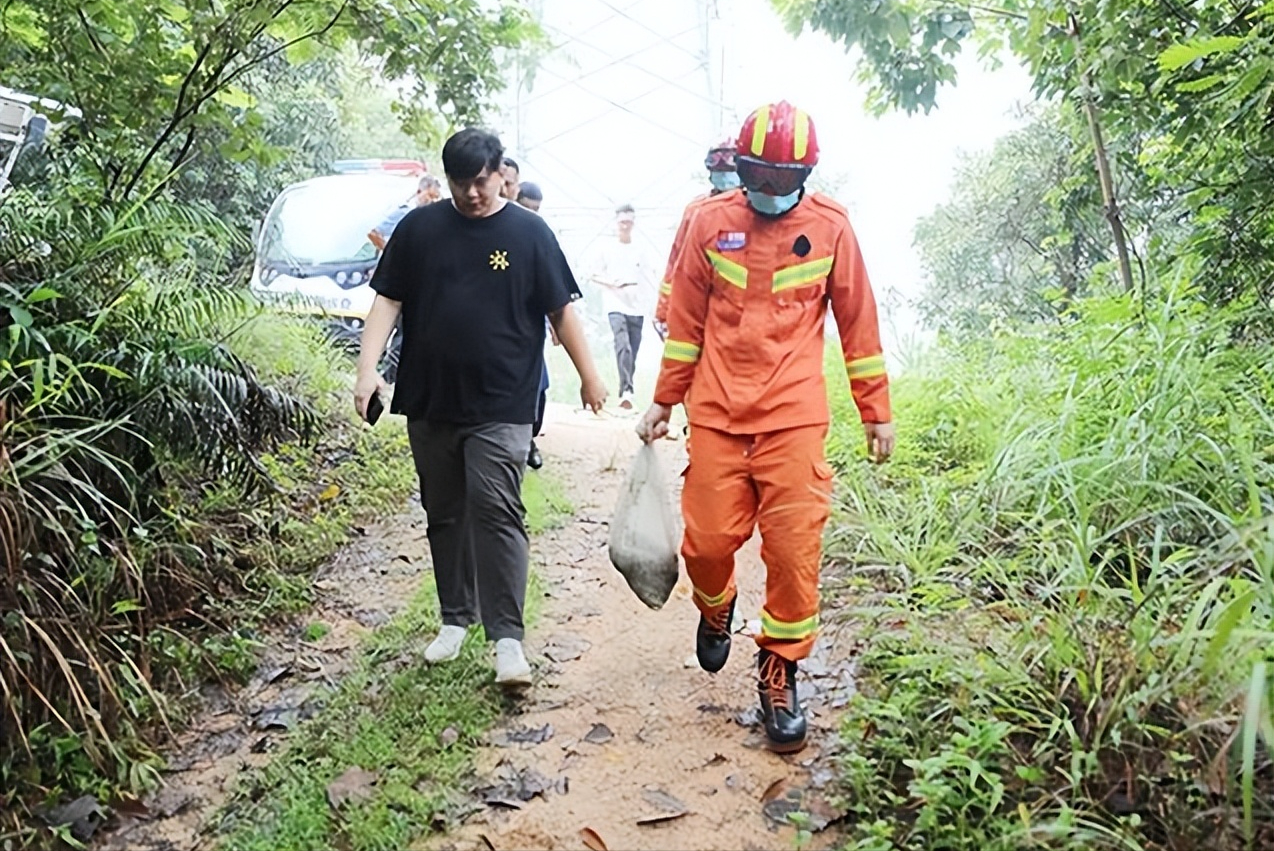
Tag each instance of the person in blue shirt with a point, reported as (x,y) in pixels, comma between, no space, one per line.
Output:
(428,190)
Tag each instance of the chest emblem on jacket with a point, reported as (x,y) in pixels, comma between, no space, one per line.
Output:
(499,260)
(729,240)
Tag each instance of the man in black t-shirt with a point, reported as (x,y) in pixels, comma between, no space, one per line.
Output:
(473,278)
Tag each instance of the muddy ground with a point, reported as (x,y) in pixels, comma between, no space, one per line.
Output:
(623,742)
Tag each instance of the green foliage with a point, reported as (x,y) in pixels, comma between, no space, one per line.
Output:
(1185,94)
(1068,626)
(153,80)
(907,45)
(1020,235)
(170,461)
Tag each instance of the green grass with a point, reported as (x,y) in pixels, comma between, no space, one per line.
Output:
(1064,584)
(547,506)
(416,727)
(389,716)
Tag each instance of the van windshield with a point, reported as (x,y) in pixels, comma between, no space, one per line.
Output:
(325,222)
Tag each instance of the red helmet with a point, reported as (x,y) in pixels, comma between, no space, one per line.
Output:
(720,156)
(779,134)
(777,149)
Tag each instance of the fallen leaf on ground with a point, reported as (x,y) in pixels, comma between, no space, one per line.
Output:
(778,809)
(592,839)
(664,802)
(275,674)
(83,816)
(523,735)
(330,492)
(821,813)
(132,808)
(657,819)
(279,718)
(353,786)
(566,648)
(774,790)
(517,787)
(599,735)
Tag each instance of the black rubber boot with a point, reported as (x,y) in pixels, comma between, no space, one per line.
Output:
(534,459)
(712,640)
(780,709)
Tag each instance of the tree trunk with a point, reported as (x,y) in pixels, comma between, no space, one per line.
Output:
(1108,194)
(1103,167)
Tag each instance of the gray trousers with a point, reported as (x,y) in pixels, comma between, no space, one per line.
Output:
(471,486)
(627,331)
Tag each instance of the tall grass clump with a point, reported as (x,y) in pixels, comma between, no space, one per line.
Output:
(158,442)
(1065,582)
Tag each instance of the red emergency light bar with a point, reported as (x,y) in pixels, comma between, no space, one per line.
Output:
(414,168)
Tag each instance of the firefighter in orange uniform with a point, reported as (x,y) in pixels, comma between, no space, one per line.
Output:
(723,177)
(744,352)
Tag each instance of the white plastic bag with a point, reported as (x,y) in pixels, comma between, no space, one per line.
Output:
(643,532)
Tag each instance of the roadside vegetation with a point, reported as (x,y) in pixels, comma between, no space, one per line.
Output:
(173,463)
(1063,581)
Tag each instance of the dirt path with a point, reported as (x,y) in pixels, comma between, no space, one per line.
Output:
(361,589)
(632,729)
(622,735)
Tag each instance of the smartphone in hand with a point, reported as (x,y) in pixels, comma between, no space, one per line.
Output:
(374,408)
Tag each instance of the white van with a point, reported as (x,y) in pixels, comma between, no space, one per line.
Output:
(312,251)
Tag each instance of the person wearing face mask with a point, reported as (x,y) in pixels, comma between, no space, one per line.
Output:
(723,177)
(751,290)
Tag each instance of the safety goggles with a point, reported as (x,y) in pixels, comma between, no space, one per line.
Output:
(776,179)
(720,159)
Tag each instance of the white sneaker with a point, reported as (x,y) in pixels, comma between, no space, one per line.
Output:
(446,646)
(511,668)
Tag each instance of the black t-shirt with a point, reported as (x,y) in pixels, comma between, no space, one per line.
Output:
(474,293)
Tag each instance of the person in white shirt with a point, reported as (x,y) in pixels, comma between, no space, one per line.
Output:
(627,275)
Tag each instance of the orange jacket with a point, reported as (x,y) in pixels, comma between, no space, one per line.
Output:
(747,312)
(665,286)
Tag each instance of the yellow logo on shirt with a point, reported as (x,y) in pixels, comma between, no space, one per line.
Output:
(499,260)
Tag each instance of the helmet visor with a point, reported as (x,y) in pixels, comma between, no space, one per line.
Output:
(772,178)
(720,159)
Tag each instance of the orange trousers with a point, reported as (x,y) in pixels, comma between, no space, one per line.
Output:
(781,483)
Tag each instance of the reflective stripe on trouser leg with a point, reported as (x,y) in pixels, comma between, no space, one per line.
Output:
(719,505)
(795,486)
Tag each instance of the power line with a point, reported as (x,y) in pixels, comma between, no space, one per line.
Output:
(621,60)
(652,31)
(624,107)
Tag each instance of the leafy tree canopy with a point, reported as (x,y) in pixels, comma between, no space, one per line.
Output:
(153,76)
